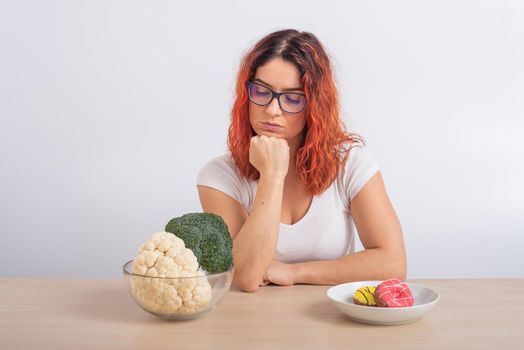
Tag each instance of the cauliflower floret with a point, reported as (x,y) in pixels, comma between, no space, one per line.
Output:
(165,255)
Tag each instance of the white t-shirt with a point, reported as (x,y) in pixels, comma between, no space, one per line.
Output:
(327,230)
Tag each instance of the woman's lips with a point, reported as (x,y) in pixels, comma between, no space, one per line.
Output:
(271,127)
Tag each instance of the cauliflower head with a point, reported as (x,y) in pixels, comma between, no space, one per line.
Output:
(164,255)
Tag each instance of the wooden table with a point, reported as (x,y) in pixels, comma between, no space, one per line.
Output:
(99,314)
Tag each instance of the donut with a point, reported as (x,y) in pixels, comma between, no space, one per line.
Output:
(365,296)
(393,293)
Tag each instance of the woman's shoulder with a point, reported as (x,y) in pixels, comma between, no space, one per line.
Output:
(219,166)
(221,173)
(223,160)
(354,154)
(358,166)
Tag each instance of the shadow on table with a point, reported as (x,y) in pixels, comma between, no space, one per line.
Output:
(110,303)
(327,313)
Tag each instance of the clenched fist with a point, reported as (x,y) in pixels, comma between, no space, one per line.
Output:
(270,155)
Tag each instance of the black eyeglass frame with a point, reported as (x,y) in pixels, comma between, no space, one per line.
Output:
(273,95)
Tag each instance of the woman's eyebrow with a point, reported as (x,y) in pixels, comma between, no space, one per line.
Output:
(263,82)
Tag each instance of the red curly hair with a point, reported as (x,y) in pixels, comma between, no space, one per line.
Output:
(323,152)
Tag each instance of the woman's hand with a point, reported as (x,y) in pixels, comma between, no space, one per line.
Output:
(279,273)
(270,156)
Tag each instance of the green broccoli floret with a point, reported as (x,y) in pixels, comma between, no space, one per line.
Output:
(207,236)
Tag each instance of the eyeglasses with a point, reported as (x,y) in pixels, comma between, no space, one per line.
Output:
(261,95)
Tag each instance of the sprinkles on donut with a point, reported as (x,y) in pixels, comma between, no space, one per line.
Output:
(365,296)
(393,293)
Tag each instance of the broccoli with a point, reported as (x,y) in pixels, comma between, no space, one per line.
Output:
(207,236)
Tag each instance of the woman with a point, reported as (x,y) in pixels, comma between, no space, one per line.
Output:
(294,183)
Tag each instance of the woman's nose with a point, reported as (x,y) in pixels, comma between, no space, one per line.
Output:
(273,108)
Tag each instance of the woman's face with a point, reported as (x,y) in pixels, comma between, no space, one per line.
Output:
(270,120)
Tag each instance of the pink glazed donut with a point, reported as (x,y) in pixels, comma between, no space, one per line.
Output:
(393,293)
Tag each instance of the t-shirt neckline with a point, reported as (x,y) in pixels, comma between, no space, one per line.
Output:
(304,218)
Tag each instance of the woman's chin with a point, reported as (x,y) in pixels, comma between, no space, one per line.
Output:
(270,133)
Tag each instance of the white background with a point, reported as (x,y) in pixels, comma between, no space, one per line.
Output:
(109,109)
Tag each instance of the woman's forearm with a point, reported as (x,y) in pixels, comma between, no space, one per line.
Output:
(255,244)
(369,264)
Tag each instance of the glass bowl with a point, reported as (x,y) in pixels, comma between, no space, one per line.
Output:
(179,298)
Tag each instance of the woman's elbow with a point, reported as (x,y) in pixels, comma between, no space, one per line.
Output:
(248,285)
(401,274)
(397,268)
(392,265)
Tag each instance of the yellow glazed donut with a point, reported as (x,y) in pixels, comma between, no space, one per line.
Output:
(365,296)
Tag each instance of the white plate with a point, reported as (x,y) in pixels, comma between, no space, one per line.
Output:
(342,297)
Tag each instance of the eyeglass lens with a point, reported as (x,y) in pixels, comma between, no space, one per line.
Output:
(289,102)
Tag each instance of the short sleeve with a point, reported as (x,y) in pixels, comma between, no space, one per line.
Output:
(222,174)
(359,168)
